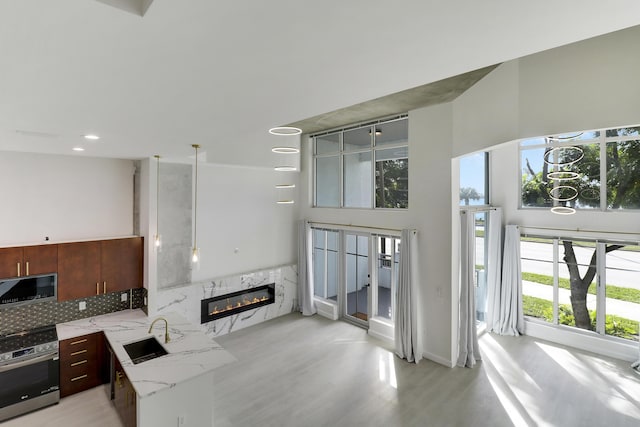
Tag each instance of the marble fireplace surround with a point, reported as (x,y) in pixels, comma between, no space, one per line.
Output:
(186,299)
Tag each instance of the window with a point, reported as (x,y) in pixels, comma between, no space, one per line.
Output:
(363,167)
(474,179)
(387,275)
(325,264)
(588,285)
(585,170)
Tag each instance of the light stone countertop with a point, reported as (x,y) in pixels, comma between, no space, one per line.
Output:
(191,352)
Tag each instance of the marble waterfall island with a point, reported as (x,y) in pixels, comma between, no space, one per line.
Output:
(178,384)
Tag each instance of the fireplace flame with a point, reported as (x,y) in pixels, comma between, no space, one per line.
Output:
(230,306)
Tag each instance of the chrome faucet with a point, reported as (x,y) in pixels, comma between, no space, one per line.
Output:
(166,328)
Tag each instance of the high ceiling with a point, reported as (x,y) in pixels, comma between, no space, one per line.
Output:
(221,73)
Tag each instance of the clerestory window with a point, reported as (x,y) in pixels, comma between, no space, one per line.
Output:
(364,166)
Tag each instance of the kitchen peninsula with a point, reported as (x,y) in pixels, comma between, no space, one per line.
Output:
(174,389)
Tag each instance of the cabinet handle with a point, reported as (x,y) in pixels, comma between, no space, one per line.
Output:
(104,286)
(18,265)
(79,363)
(75,353)
(97,288)
(79,378)
(27,267)
(119,376)
(78,342)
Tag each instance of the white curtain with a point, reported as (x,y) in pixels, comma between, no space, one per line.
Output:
(468,349)
(494,269)
(511,321)
(305,269)
(407,336)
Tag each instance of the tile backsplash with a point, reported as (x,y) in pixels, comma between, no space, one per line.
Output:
(30,316)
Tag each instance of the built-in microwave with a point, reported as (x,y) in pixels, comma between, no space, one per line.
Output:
(30,289)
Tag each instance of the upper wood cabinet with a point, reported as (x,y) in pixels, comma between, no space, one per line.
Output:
(93,268)
(78,270)
(121,264)
(28,260)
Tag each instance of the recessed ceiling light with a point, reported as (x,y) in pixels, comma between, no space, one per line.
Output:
(91,137)
(285,168)
(285,202)
(78,149)
(286,186)
(285,130)
(285,150)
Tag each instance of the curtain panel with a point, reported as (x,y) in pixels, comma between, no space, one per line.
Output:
(407,336)
(468,348)
(305,269)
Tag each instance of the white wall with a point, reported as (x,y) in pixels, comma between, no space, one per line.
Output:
(240,226)
(587,85)
(64,198)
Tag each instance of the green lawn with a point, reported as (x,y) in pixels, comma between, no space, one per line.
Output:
(614,325)
(615,292)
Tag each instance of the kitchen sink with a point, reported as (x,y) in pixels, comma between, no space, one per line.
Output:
(144,350)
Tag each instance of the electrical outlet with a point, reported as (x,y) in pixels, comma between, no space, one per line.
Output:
(82,305)
(123,297)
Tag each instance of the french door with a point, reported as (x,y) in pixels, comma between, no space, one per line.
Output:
(357,280)
(358,271)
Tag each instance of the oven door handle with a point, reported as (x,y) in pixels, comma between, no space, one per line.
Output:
(38,359)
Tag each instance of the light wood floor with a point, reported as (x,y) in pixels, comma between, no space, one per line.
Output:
(297,371)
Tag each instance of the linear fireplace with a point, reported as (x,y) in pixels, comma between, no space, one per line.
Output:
(236,302)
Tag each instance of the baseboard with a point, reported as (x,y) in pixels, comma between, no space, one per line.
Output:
(381,329)
(595,344)
(379,336)
(438,359)
(326,309)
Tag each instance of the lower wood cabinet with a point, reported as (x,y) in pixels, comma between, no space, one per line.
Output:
(124,397)
(83,363)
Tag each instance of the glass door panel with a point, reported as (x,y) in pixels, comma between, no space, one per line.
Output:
(480,267)
(387,275)
(357,279)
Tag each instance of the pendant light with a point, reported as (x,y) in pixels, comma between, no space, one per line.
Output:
(195,252)
(157,239)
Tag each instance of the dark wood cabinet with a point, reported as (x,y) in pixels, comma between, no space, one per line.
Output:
(121,264)
(83,363)
(28,260)
(98,267)
(79,270)
(125,398)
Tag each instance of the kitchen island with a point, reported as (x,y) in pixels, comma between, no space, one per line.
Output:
(172,390)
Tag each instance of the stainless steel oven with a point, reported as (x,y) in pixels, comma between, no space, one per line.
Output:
(29,371)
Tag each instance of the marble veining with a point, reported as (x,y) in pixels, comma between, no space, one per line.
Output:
(191,352)
(186,299)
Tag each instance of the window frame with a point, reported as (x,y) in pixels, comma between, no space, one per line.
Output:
(341,153)
(487,179)
(602,140)
(599,281)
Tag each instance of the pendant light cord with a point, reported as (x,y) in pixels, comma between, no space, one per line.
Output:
(157,197)
(195,204)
